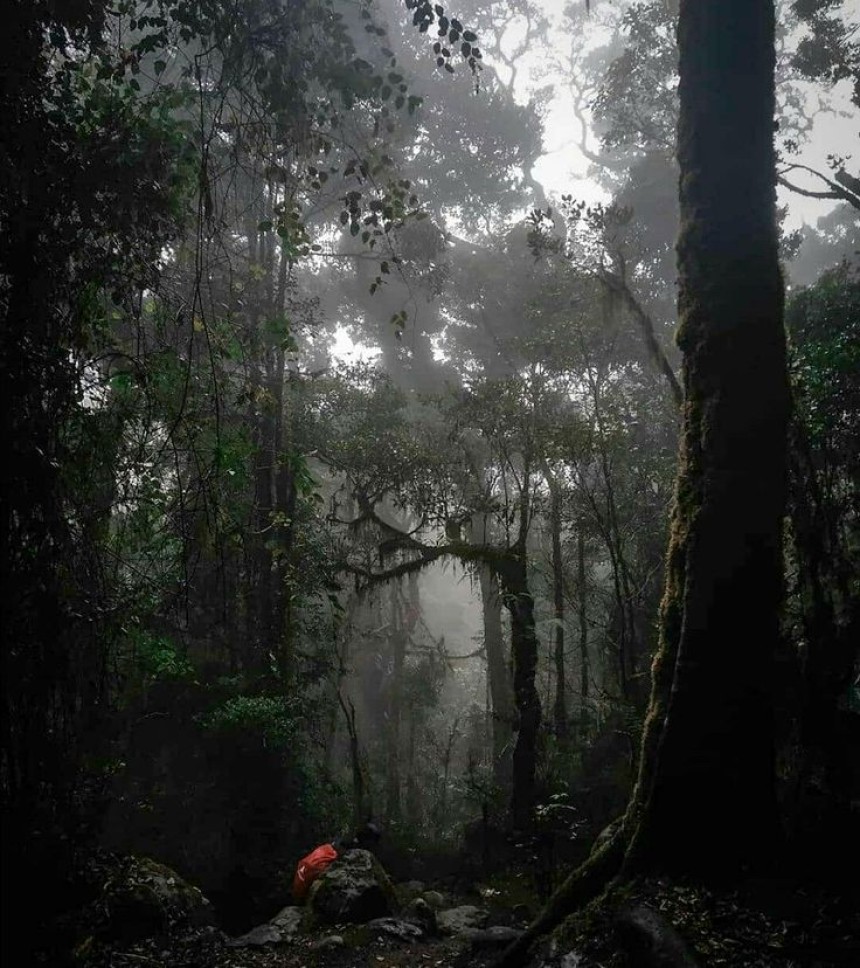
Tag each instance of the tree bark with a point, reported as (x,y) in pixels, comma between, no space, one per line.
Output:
(518,599)
(708,745)
(560,705)
(704,801)
(393,806)
(501,690)
(582,607)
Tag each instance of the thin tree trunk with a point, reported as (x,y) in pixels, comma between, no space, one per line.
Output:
(582,603)
(498,676)
(398,655)
(520,604)
(560,706)
(360,811)
(413,792)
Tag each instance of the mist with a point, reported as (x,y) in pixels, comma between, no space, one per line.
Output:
(431,498)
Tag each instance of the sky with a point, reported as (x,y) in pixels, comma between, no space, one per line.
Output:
(563,169)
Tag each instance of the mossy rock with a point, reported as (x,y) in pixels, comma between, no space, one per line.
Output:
(354,890)
(144,898)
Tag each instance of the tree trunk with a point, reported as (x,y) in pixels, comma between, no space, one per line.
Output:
(360,803)
(706,785)
(413,790)
(498,677)
(519,601)
(398,654)
(582,607)
(704,801)
(560,706)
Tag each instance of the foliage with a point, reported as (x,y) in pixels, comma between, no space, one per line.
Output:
(273,718)
(824,323)
(159,658)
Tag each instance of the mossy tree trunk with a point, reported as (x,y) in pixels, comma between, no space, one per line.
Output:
(524,650)
(705,797)
(498,676)
(704,802)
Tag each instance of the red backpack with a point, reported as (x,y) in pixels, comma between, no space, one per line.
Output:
(310,868)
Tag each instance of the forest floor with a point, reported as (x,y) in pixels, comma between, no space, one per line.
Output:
(762,924)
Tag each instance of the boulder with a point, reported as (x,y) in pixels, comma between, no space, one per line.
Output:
(281,929)
(459,920)
(143,898)
(354,890)
(419,911)
(436,899)
(289,921)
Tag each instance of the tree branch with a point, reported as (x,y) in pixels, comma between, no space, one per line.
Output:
(845,187)
(618,285)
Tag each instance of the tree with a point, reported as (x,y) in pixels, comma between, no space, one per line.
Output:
(725,553)
(824,604)
(704,801)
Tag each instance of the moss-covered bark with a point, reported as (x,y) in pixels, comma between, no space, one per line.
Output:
(524,648)
(704,800)
(706,789)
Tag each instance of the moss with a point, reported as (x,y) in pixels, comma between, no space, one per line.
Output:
(328,894)
(591,926)
(144,897)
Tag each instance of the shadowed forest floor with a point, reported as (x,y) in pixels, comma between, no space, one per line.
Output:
(764,924)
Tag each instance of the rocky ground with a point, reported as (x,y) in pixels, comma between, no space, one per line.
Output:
(761,924)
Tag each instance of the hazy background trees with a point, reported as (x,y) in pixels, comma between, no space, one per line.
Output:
(259,585)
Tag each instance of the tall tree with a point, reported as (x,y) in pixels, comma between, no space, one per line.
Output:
(709,732)
(704,801)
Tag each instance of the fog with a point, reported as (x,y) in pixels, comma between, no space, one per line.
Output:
(352,420)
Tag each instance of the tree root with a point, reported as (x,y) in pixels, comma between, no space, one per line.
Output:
(580,887)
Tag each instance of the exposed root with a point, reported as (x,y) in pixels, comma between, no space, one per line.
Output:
(580,887)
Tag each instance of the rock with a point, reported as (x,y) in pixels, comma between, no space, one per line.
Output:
(461,919)
(436,899)
(651,940)
(289,921)
(281,929)
(330,942)
(355,889)
(144,898)
(573,959)
(424,915)
(396,928)
(411,888)
(259,937)
(494,937)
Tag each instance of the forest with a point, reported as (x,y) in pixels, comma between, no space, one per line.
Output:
(411,555)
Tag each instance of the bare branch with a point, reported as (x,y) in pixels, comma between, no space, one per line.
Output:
(845,187)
